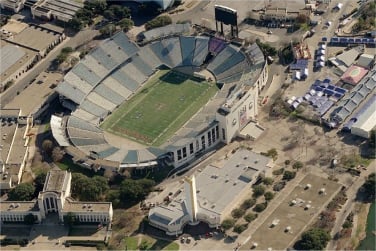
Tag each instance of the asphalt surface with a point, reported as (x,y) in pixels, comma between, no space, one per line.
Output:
(79,39)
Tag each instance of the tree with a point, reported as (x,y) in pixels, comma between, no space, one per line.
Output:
(258,190)
(89,189)
(288,175)
(120,12)
(248,203)
(297,165)
(301,18)
(370,185)
(250,217)
(237,213)
(158,22)
(227,224)
(98,6)
(372,140)
(239,228)
(47,146)
(313,239)
(272,153)
(75,24)
(23,192)
(260,207)
(29,219)
(135,190)
(39,181)
(57,154)
(126,24)
(267,181)
(67,50)
(107,30)
(269,196)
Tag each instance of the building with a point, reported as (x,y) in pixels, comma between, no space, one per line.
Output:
(62,10)
(354,75)
(55,198)
(285,11)
(366,60)
(211,195)
(13,5)
(366,121)
(14,150)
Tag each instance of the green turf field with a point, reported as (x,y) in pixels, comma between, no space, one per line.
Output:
(164,104)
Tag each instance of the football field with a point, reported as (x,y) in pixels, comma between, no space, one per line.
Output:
(160,108)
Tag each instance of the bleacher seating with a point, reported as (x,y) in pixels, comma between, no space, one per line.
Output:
(228,63)
(142,66)
(100,55)
(161,53)
(115,51)
(240,67)
(201,50)
(84,134)
(216,45)
(187,45)
(113,84)
(127,46)
(86,142)
(148,56)
(130,70)
(172,46)
(84,115)
(92,63)
(108,152)
(86,74)
(78,82)
(71,92)
(109,94)
(224,56)
(93,108)
(125,80)
(101,101)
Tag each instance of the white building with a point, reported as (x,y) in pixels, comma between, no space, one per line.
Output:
(13,5)
(366,121)
(55,198)
(212,194)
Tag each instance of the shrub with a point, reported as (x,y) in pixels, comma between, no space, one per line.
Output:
(267,181)
(227,224)
(250,217)
(278,171)
(258,190)
(240,228)
(237,213)
(288,175)
(248,203)
(269,196)
(158,22)
(297,165)
(287,162)
(260,207)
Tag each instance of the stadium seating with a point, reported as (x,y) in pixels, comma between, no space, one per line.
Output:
(216,45)
(78,82)
(71,92)
(201,50)
(161,53)
(123,41)
(114,51)
(100,55)
(92,63)
(223,57)
(108,152)
(86,142)
(172,47)
(125,80)
(240,67)
(84,134)
(93,109)
(109,94)
(113,84)
(101,101)
(187,45)
(130,70)
(86,74)
(234,60)
(149,57)
(142,66)
(131,157)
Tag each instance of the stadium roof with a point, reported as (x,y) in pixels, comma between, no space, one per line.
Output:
(172,29)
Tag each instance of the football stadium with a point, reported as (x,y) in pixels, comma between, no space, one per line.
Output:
(170,101)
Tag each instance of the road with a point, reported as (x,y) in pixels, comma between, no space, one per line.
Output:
(347,207)
(79,39)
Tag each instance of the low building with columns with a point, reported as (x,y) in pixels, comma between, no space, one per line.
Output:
(212,194)
(55,198)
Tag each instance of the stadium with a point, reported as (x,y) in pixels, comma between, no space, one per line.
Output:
(170,101)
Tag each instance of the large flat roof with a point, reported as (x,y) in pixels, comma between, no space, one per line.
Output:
(367,120)
(82,207)
(55,181)
(35,37)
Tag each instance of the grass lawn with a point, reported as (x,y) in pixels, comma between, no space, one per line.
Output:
(131,243)
(149,243)
(67,164)
(164,104)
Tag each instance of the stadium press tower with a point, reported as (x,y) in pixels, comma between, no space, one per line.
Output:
(191,199)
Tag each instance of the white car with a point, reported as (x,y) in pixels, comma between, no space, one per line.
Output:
(269,32)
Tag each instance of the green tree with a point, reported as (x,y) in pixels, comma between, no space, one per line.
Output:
(248,203)
(126,24)
(135,190)
(269,196)
(89,189)
(250,217)
(288,175)
(258,190)
(272,153)
(57,154)
(75,23)
(23,192)
(239,228)
(120,12)
(107,30)
(39,181)
(301,18)
(297,165)
(227,224)
(314,239)
(260,207)
(67,50)
(372,140)
(267,181)
(237,213)
(370,185)
(97,6)
(47,146)
(30,219)
(158,22)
